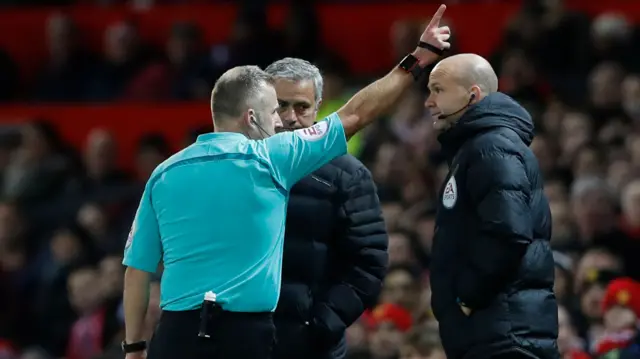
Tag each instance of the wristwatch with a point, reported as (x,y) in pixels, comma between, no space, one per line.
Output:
(133,347)
(410,64)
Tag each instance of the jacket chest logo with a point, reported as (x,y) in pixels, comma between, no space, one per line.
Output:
(450,193)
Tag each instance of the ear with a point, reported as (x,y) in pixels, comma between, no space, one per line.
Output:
(316,110)
(476,94)
(248,116)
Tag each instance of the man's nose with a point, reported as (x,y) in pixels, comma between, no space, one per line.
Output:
(429,103)
(288,117)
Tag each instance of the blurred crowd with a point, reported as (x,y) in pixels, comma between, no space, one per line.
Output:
(129,69)
(65,212)
(148,3)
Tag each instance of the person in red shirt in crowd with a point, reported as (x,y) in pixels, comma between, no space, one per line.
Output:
(389,323)
(96,324)
(621,308)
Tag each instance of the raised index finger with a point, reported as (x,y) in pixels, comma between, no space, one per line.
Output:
(435,20)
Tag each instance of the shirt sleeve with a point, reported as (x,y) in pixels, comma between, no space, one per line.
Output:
(294,155)
(143,249)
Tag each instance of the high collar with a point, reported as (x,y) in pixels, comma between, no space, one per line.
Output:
(218,135)
(495,110)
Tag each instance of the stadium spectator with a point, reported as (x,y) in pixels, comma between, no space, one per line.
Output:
(621,311)
(125,57)
(66,75)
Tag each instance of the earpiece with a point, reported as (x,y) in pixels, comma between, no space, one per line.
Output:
(252,118)
(443,116)
(254,121)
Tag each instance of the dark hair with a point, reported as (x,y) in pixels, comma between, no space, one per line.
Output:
(89,252)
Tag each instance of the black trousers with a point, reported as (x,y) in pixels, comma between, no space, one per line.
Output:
(299,341)
(233,336)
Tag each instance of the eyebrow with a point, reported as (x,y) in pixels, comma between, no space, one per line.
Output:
(432,85)
(294,102)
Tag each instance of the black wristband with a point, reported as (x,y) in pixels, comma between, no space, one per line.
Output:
(431,48)
(133,347)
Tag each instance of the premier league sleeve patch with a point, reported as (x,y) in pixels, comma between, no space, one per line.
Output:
(130,236)
(129,239)
(313,133)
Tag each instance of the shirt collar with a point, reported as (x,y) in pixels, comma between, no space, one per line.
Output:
(219,135)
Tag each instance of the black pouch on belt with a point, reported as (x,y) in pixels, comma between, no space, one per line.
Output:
(208,314)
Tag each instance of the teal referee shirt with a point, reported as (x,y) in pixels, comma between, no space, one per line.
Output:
(215,214)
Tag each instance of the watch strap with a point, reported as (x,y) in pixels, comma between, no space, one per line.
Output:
(133,347)
(411,65)
(431,48)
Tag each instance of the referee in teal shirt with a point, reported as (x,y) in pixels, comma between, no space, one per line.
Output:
(214,214)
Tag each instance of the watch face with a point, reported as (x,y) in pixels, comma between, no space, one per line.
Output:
(408,62)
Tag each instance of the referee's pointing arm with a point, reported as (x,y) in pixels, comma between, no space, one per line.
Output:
(297,154)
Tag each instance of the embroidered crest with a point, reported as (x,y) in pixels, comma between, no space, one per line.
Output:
(313,133)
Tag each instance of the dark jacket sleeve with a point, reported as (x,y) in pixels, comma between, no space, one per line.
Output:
(363,242)
(500,192)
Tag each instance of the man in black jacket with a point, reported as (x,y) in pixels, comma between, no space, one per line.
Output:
(335,248)
(492,268)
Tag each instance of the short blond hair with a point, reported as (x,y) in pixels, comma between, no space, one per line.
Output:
(235,89)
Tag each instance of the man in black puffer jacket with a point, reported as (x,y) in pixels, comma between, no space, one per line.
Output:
(492,268)
(335,248)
